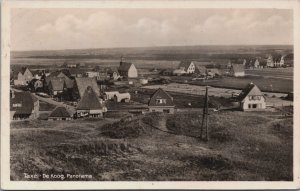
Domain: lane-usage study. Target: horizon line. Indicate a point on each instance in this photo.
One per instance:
(128, 47)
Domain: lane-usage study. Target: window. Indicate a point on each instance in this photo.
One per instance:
(254, 106)
(161, 101)
(166, 110)
(249, 106)
(17, 105)
(254, 97)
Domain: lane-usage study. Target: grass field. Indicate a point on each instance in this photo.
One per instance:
(243, 146)
(265, 84)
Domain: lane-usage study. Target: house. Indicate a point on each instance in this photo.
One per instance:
(256, 63)
(213, 72)
(72, 65)
(57, 86)
(81, 84)
(113, 73)
(59, 113)
(179, 72)
(23, 77)
(92, 74)
(161, 101)
(187, 66)
(270, 62)
(127, 69)
(36, 85)
(237, 70)
(166, 72)
(251, 98)
(201, 70)
(110, 95)
(90, 105)
(23, 105)
(117, 96)
(278, 61)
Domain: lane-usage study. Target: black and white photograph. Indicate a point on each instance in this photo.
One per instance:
(156, 94)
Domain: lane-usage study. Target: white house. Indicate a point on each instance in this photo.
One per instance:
(251, 98)
(127, 69)
(187, 66)
(237, 70)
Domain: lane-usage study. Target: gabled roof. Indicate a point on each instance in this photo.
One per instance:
(200, 69)
(160, 94)
(23, 70)
(89, 100)
(237, 68)
(57, 84)
(60, 112)
(83, 83)
(124, 66)
(250, 90)
(214, 71)
(56, 74)
(185, 65)
(26, 99)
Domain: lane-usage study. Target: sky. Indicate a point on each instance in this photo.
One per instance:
(54, 29)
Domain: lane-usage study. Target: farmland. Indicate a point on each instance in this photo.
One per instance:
(243, 146)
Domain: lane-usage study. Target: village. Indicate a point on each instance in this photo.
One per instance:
(76, 91)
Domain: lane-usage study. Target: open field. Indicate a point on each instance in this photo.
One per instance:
(284, 73)
(265, 84)
(243, 146)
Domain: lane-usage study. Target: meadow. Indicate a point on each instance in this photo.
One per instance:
(243, 146)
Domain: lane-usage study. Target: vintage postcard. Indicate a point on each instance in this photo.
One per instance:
(150, 94)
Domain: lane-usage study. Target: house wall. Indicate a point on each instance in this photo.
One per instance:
(191, 68)
(171, 110)
(239, 74)
(260, 104)
(132, 72)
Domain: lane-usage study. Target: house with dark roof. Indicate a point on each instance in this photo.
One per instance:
(213, 72)
(23, 105)
(161, 101)
(251, 98)
(187, 66)
(113, 73)
(201, 70)
(57, 86)
(81, 84)
(237, 70)
(278, 61)
(90, 105)
(60, 113)
(23, 77)
(127, 70)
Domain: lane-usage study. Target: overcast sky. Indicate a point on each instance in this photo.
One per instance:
(50, 29)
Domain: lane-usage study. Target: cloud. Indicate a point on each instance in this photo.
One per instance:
(110, 28)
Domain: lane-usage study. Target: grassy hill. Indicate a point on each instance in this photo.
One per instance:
(243, 146)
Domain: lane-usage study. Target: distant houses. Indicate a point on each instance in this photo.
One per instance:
(161, 101)
(237, 70)
(60, 113)
(90, 105)
(251, 98)
(23, 105)
(23, 77)
(127, 70)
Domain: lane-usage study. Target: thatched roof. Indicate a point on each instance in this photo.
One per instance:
(160, 94)
(26, 100)
(124, 66)
(89, 100)
(60, 112)
(57, 84)
(83, 83)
